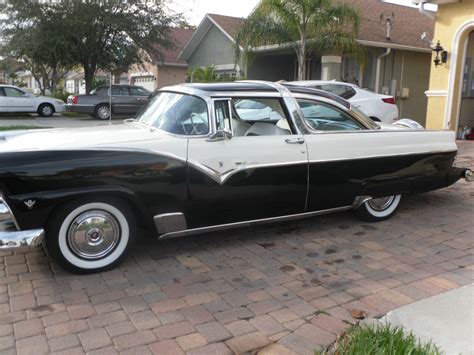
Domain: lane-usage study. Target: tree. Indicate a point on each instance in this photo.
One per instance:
(95, 35)
(308, 26)
(203, 75)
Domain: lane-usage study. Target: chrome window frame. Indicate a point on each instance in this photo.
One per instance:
(337, 106)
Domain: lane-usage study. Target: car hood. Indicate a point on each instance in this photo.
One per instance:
(78, 138)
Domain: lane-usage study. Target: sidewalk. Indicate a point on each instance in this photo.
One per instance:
(446, 319)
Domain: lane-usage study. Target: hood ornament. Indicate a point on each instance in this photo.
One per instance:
(30, 204)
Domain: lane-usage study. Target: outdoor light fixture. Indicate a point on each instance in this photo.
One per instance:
(444, 54)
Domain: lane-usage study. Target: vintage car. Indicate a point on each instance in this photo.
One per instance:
(190, 164)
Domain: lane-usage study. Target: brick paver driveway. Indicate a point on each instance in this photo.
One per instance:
(286, 287)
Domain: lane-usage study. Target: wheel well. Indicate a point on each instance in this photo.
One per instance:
(104, 103)
(46, 103)
(134, 207)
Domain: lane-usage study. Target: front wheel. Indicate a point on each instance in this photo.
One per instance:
(90, 236)
(46, 110)
(102, 112)
(379, 209)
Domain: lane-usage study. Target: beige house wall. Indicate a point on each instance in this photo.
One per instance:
(454, 22)
(171, 75)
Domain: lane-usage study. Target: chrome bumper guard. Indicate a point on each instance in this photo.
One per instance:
(469, 175)
(10, 235)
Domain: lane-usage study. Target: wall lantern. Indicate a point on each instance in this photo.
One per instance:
(444, 55)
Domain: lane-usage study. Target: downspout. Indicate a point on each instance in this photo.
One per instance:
(425, 12)
(377, 72)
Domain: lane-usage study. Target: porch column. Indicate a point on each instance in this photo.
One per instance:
(331, 67)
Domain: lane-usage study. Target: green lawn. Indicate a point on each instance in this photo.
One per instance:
(381, 340)
(19, 127)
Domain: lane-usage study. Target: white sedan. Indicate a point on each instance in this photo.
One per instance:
(13, 99)
(381, 108)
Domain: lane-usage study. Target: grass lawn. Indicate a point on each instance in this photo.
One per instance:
(74, 115)
(14, 116)
(368, 340)
(13, 128)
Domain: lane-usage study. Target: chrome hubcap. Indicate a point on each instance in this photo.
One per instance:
(104, 112)
(47, 111)
(93, 234)
(382, 203)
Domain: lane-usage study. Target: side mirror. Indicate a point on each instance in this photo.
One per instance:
(220, 135)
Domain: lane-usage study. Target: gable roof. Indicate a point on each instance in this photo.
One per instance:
(228, 25)
(170, 56)
(408, 24)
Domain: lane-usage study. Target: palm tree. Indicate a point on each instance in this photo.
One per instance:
(203, 74)
(308, 26)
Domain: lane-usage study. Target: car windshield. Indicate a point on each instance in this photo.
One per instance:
(176, 113)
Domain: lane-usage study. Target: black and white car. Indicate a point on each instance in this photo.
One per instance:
(15, 100)
(380, 108)
(190, 163)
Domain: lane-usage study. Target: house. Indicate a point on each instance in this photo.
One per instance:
(165, 69)
(398, 60)
(74, 82)
(451, 87)
(213, 44)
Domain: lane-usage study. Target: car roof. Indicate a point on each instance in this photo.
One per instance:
(320, 82)
(238, 86)
(316, 92)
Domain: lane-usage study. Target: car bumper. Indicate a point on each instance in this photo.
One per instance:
(10, 235)
(59, 108)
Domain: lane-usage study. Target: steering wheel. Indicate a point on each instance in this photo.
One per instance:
(196, 121)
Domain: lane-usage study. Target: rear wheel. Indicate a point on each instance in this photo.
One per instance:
(102, 112)
(90, 236)
(46, 110)
(379, 209)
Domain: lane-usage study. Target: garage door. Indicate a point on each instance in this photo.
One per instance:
(146, 82)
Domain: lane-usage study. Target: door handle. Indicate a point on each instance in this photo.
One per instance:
(299, 140)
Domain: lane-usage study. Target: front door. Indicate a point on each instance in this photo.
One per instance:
(261, 172)
(17, 101)
(122, 102)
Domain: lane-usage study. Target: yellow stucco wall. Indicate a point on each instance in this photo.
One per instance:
(449, 19)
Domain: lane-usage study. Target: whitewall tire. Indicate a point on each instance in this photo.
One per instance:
(379, 209)
(90, 236)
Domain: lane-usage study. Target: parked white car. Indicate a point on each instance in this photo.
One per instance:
(381, 108)
(13, 99)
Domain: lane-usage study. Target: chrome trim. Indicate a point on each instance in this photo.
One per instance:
(170, 222)
(19, 239)
(469, 175)
(360, 200)
(220, 227)
(221, 178)
(6, 213)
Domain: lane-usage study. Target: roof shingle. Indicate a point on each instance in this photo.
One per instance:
(179, 37)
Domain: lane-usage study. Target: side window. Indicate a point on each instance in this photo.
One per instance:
(12, 92)
(2, 92)
(139, 91)
(324, 117)
(259, 117)
(223, 116)
(120, 91)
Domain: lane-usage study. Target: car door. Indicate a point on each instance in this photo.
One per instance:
(141, 97)
(18, 101)
(122, 102)
(337, 142)
(260, 172)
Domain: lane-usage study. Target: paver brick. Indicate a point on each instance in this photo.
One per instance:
(33, 345)
(191, 341)
(248, 342)
(216, 348)
(174, 330)
(145, 320)
(94, 339)
(71, 327)
(28, 328)
(166, 347)
(214, 332)
(64, 342)
(131, 340)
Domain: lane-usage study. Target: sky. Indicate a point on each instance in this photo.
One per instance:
(195, 10)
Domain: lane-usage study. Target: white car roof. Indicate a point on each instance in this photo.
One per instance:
(320, 82)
